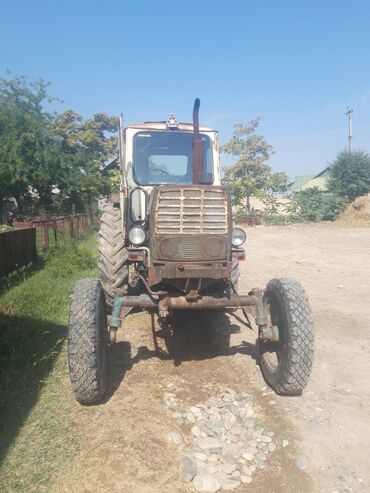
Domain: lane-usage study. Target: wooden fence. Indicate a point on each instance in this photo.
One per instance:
(53, 230)
(17, 249)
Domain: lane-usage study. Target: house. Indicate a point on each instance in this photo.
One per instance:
(319, 181)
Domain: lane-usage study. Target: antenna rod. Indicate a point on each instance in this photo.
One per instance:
(349, 113)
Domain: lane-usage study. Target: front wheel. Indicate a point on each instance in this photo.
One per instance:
(87, 342)
(286, 363)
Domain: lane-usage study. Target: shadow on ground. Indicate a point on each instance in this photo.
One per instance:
(28, 349)
(189, 336)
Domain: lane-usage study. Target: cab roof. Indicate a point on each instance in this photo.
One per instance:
(162, 125)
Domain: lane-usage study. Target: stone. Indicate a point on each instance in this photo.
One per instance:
(285, 443)
(189, 417)
(200, 456)
(266, 438)
(206, 483)
(213, 458)
(195, 410)
(188, 469)
(231, 451)
(174, 437)
(227, 468)
(245, 479)
(236, 430)
(248, 454)
(230, 420)
(209, 469)
(229, 484)
(209, 443)
(195, 431)
(271, 447)
(300, 463)
(235, 474)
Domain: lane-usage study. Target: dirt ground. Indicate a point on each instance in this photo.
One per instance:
(328, 428)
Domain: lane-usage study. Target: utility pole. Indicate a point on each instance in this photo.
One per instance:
(349, 114)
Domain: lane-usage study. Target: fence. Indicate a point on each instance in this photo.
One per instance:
(17, 248)
(52, 230)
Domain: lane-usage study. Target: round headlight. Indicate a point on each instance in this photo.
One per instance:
(238, 237)
(137, 235)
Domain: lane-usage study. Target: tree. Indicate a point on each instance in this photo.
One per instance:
(27, 148)
(350, 174)
(46, 158)
(250, 175)
(87, 145)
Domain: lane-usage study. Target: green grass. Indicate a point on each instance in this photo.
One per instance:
(36, 405)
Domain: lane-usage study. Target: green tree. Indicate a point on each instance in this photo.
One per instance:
(350, 174)
(46, 158)
(312, 205)
(250, 175)
(28, 151)
(87, 145)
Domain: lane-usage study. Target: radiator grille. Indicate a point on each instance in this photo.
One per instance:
(191, 211)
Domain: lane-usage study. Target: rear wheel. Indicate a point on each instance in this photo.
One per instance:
(113, 265)
(286, 363)
(87, 342)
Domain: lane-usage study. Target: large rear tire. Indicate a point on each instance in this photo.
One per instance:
(286, 364)
(113, 264)
(87, 342)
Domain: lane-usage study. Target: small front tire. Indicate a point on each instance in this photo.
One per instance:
(87, 342)
(286, 364)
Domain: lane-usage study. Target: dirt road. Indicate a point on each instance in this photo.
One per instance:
(326, 432)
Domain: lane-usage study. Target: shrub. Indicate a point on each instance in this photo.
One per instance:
(350, 174)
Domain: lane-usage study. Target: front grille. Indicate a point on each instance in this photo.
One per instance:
(191, 211)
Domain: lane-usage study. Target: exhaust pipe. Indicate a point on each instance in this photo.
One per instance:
(198, 159)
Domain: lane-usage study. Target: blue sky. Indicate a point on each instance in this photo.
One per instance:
(296, 64)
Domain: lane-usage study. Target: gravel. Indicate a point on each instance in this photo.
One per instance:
(225, 443)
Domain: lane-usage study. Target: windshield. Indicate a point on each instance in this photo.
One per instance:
(167, 157)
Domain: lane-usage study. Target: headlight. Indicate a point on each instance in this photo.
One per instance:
(137, 235)
(238, 237)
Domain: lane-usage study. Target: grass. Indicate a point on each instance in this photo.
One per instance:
(36, 406)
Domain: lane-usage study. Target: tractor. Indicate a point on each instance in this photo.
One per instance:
(167, 242)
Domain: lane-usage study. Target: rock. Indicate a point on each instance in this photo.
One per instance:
(195, 410)
(229, 484)
(209, 469)
(227, 468)
(209, 443)
(285, 443)
(230, 420)
(236, 430)
(245, 479)
(188, 469)
(248, 454)
(175, 438)
(271, 447)
(206, 483)
(213, 459)
(231, 451)
(235, 474)
(200, 456)
(266, 438)
(300, 463)
(189, 417)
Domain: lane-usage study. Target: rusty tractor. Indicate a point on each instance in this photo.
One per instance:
(167, 242)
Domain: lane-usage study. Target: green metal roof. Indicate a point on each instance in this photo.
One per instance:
(299, 181)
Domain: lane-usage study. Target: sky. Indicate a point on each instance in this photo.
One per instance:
(296, 64)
